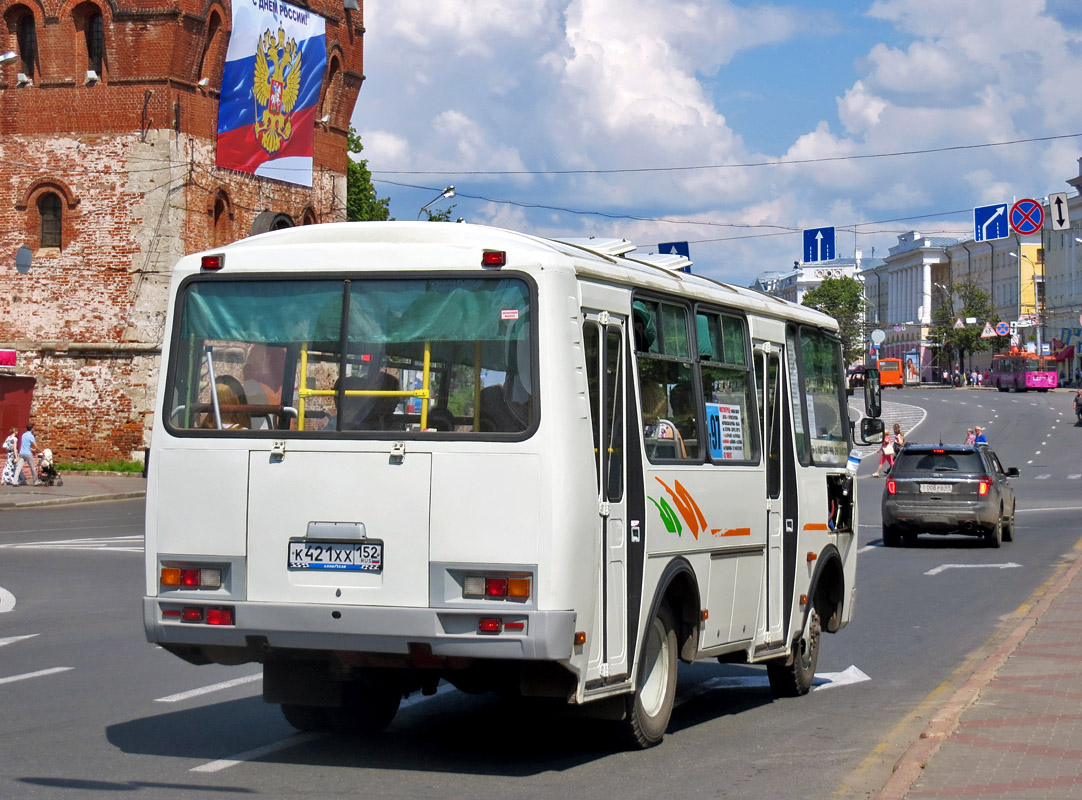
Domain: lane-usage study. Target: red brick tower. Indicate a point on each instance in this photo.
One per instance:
(108, 123)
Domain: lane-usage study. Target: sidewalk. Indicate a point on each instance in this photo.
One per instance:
(1014, 729)
(77, 488)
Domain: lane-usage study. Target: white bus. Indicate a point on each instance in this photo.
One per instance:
(389, 454)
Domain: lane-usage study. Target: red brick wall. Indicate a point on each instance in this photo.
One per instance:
(133, 159)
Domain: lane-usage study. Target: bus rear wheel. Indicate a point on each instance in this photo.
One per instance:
(650, 707)
(795, 679)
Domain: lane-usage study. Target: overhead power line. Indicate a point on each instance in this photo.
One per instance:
(780, 162)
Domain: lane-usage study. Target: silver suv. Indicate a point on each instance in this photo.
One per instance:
(948, 488)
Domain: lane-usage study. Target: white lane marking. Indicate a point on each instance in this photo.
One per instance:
(1041, 477)
(7, 600)
(1036, 452)
(945, 567)
(39, 674)
(217, 687)
(1030, 461)
(300, 738)
(852, 674)
(1074, 476)
(1048, 508)
(254, 753)
(13, 639)
(121, 544)
(114, 527)
(867, 547)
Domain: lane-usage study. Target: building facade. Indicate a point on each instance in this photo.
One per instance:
(108, 125)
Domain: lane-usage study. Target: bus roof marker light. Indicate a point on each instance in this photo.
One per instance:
(212, 263)
(493, 259)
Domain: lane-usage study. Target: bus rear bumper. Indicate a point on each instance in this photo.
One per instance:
(262, 628)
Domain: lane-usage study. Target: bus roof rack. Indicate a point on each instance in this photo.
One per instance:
(603, 247)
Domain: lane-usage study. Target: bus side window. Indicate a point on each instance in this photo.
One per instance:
(666, 383)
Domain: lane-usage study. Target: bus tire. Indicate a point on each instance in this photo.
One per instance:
(649, 708)
(306, 718)
(795, 679)
(368, 707)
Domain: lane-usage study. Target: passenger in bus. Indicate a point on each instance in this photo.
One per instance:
(366, 412)
(230, 396)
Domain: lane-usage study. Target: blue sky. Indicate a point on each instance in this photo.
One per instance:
(458, 93)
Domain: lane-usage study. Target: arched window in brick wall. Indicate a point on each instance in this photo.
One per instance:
(309, 217)
(213, 56)
(50, 209)
(90, 24)
(26, 38)
(332, 88)
(222, 219)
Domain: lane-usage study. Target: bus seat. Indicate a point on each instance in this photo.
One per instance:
(441, 419)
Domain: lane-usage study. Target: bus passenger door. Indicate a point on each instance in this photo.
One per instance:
(603, 336)
(771, 407)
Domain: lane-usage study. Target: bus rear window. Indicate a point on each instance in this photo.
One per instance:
(340, 357)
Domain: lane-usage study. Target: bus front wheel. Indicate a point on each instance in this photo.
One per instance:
(650, 707)
(795, 679)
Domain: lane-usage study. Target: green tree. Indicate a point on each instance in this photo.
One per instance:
(440, 214)
(843, 299)
(960, 301)
(361, 200)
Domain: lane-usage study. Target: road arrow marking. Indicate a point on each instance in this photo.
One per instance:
(852, 674)
(945, 567)
(13, 639)
(7, 600)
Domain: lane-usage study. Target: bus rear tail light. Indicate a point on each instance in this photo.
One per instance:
(892, 486)
(191, 577)
(489, 625)
(985, 486)
(198, 614)
(496, 587)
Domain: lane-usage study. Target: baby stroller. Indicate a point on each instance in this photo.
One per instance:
(47, 473)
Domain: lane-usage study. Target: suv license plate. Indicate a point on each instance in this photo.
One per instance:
(935, 488)
(365, 556)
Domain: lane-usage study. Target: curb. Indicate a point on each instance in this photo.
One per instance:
(909, 767)
(63, 501)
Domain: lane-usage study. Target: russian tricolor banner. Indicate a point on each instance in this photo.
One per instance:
(270, 88)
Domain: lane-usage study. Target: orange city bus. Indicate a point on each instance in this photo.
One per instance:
(890, 372)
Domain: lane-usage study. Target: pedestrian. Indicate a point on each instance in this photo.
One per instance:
(1078, 376)
(973, 378)
(11, 462)
(980, 378)
(886, 453)
(27, 447)
(980, 437)
(946, 377)
(970, 436)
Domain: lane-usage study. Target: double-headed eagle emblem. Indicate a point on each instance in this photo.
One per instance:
(276, 85)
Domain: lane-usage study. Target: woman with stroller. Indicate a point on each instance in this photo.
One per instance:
(11, 447)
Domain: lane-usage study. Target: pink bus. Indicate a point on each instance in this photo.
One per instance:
(1022, 372)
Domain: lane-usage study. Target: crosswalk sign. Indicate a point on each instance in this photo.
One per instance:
(959, 324)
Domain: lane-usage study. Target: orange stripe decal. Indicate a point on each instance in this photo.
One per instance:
(816, 526)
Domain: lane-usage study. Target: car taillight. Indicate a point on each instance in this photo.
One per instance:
(985, 487)
(892, 486)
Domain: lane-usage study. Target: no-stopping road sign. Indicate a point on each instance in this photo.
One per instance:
(1027, 216)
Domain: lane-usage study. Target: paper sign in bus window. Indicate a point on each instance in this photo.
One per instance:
(725, 431)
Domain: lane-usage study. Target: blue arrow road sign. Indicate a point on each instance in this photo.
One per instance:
(818, 245)
(990, 222)
(674, 248)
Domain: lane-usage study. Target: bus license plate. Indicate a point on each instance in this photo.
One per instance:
(366, 556)
(935, 488)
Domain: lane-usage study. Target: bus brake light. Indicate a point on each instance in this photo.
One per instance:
(489, 625)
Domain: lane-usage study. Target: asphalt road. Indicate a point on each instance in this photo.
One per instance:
(91, 709)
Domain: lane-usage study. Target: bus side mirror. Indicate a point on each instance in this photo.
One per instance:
(871, 430)
(872, 393)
